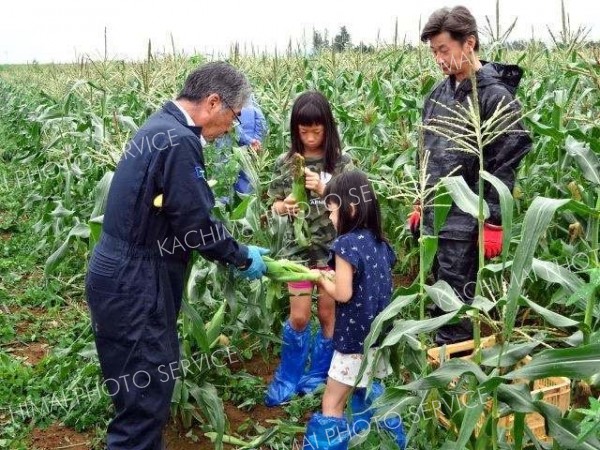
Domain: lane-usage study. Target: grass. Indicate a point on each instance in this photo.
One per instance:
(41, 321)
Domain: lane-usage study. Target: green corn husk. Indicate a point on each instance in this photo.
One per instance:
(301, 230)
(285, 271)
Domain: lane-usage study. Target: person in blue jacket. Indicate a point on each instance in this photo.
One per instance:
(158, 210)
(252, 128)
(251, 131)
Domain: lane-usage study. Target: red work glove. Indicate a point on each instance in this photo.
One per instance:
(414, 219)
(492, 240)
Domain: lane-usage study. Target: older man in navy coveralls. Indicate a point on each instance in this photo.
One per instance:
(158, 211)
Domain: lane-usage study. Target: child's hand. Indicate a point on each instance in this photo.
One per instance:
(328, 274)
(323, 275)
(317, 272)
(313, 182)
(291, 206)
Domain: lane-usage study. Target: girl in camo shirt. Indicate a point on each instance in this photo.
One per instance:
(314, 135)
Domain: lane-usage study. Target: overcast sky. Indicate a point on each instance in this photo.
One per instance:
(58, 30)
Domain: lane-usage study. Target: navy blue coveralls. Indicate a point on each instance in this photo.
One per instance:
(135, 279)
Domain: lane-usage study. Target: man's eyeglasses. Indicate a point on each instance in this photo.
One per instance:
(236, 115)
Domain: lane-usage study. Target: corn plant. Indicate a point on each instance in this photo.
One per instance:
(72, 121)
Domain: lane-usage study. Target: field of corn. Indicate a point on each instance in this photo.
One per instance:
(62, 131)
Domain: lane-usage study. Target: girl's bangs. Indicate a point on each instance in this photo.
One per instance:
(310, 114)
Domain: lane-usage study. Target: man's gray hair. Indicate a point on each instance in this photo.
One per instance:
(220, 78)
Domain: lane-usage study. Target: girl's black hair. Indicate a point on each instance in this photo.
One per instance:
(312, 108)
(352, 191)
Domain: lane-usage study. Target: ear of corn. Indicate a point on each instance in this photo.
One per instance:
(284, 270)
(301, 230)
(298, 185)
